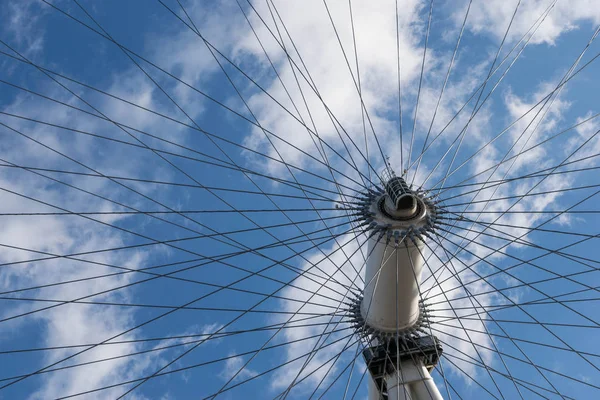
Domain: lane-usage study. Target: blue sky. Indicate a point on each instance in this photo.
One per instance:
(155, 124)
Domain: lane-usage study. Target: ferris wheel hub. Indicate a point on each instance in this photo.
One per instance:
(398, 213)
(399, 219)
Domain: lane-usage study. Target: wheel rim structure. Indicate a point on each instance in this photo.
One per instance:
(311, 200)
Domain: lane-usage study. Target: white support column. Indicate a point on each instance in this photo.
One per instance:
(379, 307)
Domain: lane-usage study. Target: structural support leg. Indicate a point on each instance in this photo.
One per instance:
(413, 383)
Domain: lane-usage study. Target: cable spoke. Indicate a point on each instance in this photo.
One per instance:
(437, 105)
(416, 114)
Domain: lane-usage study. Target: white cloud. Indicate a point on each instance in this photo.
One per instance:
(493, 17)
(233, 367)
(314, 37)
(22, 24)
